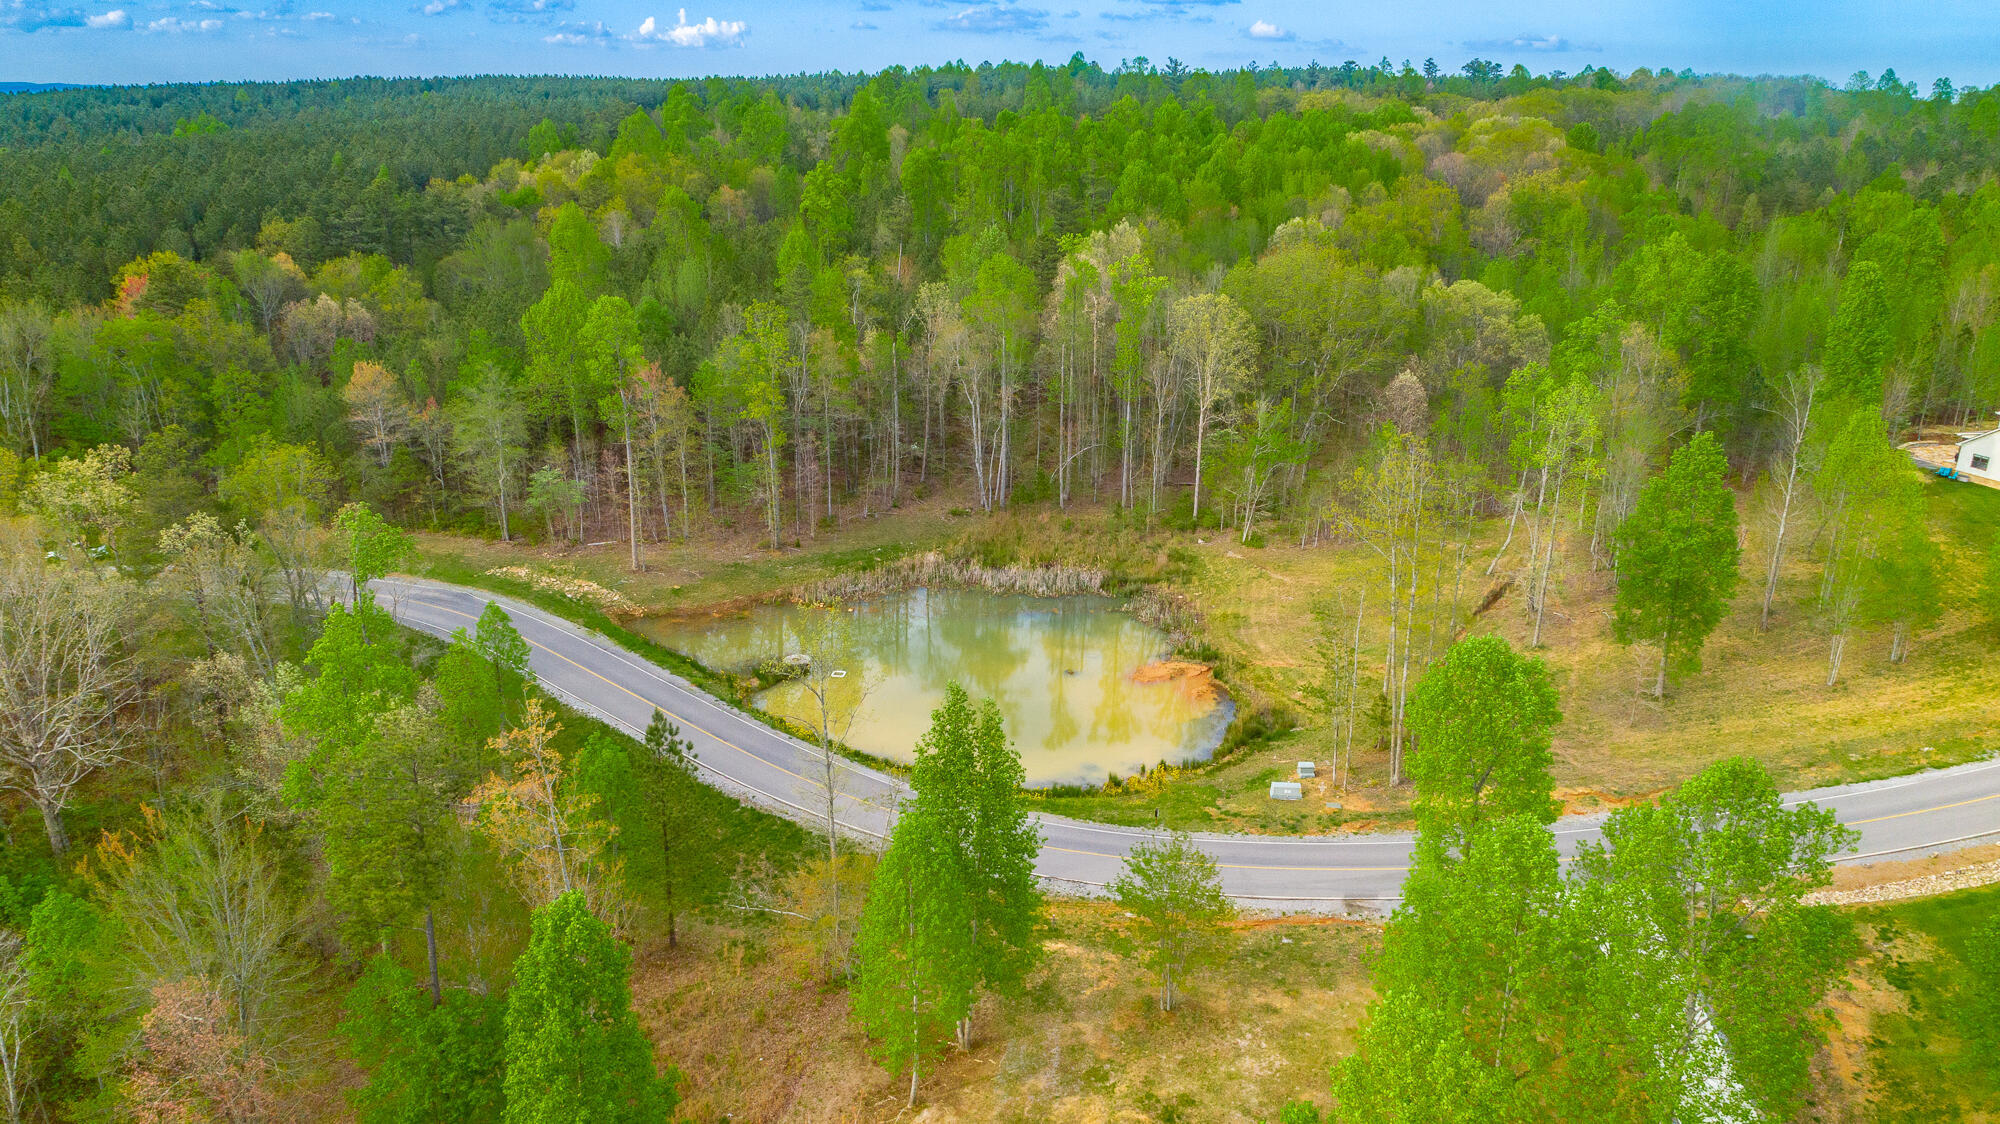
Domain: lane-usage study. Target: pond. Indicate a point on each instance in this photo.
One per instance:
(1082, 686)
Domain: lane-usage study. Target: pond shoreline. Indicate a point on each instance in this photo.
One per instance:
(1091, 689)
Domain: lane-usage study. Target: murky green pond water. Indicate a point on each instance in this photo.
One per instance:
(1061, 669)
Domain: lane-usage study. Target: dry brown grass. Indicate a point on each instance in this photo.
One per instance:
(1086, 1044)
(1761, 693)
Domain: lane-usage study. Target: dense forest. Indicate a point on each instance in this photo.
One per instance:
(249, 333)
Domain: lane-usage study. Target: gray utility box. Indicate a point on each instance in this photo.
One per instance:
(1286, 790)
(1305, 769)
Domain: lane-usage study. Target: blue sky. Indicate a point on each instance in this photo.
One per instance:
(184, 40)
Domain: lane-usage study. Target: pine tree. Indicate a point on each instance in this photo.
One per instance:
(1677, 559)
(575, 1053)
(425, 1061)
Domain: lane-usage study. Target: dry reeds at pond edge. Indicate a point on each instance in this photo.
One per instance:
(934, 569)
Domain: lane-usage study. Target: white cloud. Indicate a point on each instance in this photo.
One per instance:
(176, 26)
(1526, 41)
(1265, 29)
(314, 17)
(998, 17)
(710, 32)
(115, 18)
(440, 7)
(579, 34)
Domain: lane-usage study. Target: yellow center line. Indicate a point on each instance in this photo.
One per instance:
(639, 697)
(1927, 811)
(1241, 866)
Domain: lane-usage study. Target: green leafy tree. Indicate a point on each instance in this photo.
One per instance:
(356, 681)
(470, 704)
(968, 779)
(1715, 965)
(574, 1051)
(1677, 559)
(386, 818)
(1476, 1013)
(73, 980)
(426, 1060)
(370, 547)
(496, 638)
(1860, 340)
(1174, 892)
(491, 438)
(916, 971)
(1482, 718)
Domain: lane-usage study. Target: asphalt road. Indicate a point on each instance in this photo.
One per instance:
(1900, 818)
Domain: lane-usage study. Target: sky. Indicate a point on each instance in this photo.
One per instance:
(125, 41)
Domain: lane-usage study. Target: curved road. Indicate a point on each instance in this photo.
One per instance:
(1903, 817)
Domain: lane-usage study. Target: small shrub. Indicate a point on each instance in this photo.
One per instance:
(1299, 1112)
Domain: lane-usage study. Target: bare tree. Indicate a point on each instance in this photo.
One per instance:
(226, 583)
(1216, 342)
(65, 673)
(831, 674)
(17, 1004)
(199, 895)
(1416, 516)
(1795, 415)
(27, 373)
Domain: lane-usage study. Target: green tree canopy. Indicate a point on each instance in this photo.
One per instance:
(574, 1051)
(1677, 558)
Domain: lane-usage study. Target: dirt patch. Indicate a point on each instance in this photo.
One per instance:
(1195, 680)
(716, 610)
(1583, 801)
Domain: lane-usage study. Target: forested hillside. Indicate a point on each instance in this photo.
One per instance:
(809, 296)
(1642, 346)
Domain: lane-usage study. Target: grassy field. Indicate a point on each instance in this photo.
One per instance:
(760, 1041)
(1087, 1044)
(1900, 1051)
(1759, 692)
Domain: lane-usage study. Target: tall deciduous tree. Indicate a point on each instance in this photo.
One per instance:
(574, 1050)
(1215, 342)
(917, 970)
(548, 825)
(1481, 717)
(1677, 559)
(369, 545)
(65, 673)
(1797, 398)
(1698, 903)
(491, 437)
(1855, 480)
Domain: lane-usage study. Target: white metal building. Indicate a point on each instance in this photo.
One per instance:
(1979, 456)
